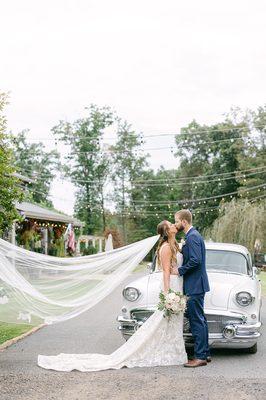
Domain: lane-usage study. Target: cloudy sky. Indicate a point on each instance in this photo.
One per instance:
(159, 64)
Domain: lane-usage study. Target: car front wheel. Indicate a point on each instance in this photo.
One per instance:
(253, 349)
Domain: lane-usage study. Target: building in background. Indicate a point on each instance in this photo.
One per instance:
(42, 229)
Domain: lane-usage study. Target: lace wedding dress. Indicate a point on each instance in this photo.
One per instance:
(158, 342)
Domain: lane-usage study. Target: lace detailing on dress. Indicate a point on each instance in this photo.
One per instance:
(158, 342)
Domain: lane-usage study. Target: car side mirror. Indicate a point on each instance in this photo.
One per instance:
(256, 271)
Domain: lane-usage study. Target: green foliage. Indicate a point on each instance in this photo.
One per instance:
(255, 149)
(128, 166)
(218, 149)
(87, 167)
(33, 161)
(152, 201)
(89, 250)
(263, 282)
(215, 150)
(9, 190)
(241, 222)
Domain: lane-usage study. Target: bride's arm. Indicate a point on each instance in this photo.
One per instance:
(166, 265)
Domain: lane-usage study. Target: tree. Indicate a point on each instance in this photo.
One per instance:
(128, 166)
(87, 164)
(214, 151)
(240, 222)
(34, 162)
(9, 189)
(154, 198)
(255, 151)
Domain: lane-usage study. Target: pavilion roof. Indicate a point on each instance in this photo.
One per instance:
(35, 211)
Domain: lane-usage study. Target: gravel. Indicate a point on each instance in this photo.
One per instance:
(231, 375)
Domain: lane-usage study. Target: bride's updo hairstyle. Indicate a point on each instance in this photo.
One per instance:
(163, 231)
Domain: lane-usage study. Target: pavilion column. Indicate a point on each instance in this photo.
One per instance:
(78, 247)
(13, 233)
(94, 242)
(100, 245)
(45, 237)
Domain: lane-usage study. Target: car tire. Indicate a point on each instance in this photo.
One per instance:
(253, 349)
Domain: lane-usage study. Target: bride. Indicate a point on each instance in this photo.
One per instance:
(157, 342)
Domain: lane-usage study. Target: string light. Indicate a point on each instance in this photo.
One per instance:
(196, 179)
(194, 212)
(141, 136)
(222, 196)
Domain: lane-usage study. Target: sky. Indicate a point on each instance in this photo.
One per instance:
(159, 64)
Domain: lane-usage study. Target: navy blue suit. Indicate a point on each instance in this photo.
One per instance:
(196, 284)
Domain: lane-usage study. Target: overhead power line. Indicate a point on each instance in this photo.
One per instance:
(243, 189)
(169, 202)
(191, 131)
(195, 178)
(193, 210)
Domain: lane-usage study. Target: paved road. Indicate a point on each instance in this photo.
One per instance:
(231, 375)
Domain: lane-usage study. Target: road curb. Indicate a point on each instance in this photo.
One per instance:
(14, 340)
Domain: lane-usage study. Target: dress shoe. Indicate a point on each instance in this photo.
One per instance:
(208, 359)
(195, 363)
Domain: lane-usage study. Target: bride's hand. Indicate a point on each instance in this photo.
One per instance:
(174, 271)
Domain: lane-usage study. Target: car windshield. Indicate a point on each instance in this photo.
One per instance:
(221, 260)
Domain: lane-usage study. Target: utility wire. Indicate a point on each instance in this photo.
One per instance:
(190, 132)
(166, 180)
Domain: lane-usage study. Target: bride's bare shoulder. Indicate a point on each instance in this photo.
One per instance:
(165, 251)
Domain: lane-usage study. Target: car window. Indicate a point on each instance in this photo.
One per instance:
(222, 260)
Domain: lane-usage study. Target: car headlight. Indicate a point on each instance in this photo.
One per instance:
(131, 293)
(244, 298)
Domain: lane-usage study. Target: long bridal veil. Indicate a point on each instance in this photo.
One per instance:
(35, 288)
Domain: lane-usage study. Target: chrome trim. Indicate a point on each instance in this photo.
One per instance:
(229, 328)
(131, 287)
(244, 305)
(244, 332)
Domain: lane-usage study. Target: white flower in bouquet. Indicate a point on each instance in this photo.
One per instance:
(171, 296)
(177, 298)
(172, 303)
(183, 302)
(175, 307)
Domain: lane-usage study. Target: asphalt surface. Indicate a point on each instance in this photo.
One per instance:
(231, 375)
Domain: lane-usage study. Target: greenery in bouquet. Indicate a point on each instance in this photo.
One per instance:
(172, 302)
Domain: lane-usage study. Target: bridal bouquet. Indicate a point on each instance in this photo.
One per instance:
(172, 302)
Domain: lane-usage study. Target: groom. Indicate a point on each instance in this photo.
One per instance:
(196, 285)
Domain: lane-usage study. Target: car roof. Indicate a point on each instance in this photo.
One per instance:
(227, 247)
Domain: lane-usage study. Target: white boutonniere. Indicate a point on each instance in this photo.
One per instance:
(181, 244)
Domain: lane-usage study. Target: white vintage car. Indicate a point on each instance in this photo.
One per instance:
(232, 306)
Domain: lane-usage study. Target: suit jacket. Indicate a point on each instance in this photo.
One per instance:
(193, 269)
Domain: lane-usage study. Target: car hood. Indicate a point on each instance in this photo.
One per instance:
(221, 286)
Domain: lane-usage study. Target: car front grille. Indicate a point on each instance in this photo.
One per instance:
(141, 315)
(216, 323)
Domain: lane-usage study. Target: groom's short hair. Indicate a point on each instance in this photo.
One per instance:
(185, 214)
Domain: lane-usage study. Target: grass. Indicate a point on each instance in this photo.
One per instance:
(9, 331)
(141, 267)
(262, 277)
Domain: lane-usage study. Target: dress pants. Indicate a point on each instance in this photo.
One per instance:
(198, 325)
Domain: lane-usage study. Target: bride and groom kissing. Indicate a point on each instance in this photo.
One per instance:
(159, 341)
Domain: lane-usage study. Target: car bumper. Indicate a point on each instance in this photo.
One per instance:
(241, 335)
